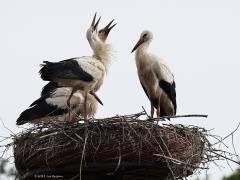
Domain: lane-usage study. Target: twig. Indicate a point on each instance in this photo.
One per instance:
(228, 134)
(178, 116)
(225, 157)
(44, 136)
(119, 162)
(144, 110)
(235, 149)
(83, 151)
(7, 128)
(178, 161)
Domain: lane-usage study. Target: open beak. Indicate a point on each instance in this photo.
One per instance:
(103, 33)
(95, 25)
(140, 41)
(96, 97)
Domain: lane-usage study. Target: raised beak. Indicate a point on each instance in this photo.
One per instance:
(95, 25)
(108, 27)
(105, 31)
(96, 97)
(140, 41)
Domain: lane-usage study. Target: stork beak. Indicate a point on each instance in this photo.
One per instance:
(103, 33)
(140, 41)
(95, 25)
(93, 21)
(96, 97)
(108, 27)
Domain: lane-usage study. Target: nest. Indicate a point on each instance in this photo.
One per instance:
(125, 146)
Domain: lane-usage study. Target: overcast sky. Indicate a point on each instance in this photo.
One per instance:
(199, 39)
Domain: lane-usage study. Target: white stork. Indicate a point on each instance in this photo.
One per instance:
(155, 77)
(82, 73)
(52, 106)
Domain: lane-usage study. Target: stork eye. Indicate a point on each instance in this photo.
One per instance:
(145, 35)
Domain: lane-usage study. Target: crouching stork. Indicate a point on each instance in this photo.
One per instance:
(52, 106)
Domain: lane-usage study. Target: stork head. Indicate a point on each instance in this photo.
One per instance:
(145, 38)
(96, 39)
(103, 33)
(92, 32)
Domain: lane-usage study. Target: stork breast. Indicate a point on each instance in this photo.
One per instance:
(149, 81)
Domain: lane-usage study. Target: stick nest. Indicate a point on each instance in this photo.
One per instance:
(119, 144)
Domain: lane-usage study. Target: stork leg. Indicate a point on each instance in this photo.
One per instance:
(152, 109)
(158, 107)
(85, 106)
(69, 106)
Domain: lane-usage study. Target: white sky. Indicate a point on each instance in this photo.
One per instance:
(199, 39)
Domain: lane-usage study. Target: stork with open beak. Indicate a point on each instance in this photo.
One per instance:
(82, 73)
(103, 33)
(155, 77)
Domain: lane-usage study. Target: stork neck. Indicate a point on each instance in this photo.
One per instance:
(140, 52)
(143, 48)
(102, 53)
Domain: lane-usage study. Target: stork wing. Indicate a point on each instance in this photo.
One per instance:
(169, 89)
(39, 109)
(66, 69)
(144, 90)
(39, 100)
(49, 88)
(154, 101)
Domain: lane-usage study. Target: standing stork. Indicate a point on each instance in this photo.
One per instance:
(84, 73)
(155, 77)
(103, 34)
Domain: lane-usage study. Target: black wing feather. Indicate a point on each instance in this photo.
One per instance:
(169, 89)
(155, 102)
(39, 109)
(49, 88)
(66, 69)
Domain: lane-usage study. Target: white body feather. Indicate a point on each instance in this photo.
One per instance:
(59, 98)
(151, 70)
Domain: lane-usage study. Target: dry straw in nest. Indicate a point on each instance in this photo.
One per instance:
(116, 145)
